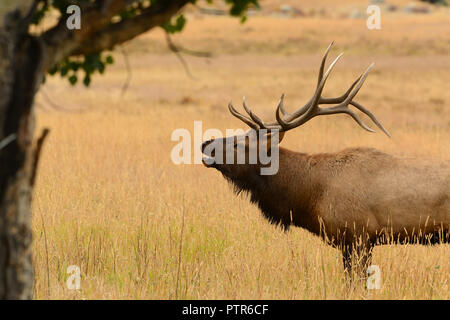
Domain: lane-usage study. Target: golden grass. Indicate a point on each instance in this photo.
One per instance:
(109, 199)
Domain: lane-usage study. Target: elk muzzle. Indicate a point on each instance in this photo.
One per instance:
(208, 160)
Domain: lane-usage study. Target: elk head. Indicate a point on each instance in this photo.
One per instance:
(232, 156)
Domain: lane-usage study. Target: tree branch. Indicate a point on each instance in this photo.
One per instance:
(7, 140)
(97, 33)
(29, 16)
(175, 48)
(129, 74)
(125, 30)
(60, 42)
(37, 154)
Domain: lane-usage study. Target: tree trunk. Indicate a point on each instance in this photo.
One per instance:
(20, 75)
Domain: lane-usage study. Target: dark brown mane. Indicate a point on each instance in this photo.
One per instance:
(268, 193)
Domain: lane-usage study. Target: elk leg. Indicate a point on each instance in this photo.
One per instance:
(364, 259)
(347, 258)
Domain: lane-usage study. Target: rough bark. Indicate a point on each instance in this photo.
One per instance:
(20, 74)
(23, 61)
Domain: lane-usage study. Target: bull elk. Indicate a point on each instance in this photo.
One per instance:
(353, 199)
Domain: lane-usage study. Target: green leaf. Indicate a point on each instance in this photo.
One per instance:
(177, 26)
(238, 7)
(53, 70)
(109, 60)
(101, 67)
(73, 79)
(87, 80)
(64, 71)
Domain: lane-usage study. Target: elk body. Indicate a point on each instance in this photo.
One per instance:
(354, 199)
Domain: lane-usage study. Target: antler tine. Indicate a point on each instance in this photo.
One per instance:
(254, 121)
(281, 106)
(257, 120)
(354, 103)
(317, 94)
(254, 117)
(371, 116)
(244, 104)
(313, 103)
(341, 98)
(348, 100)
(304, 109)
(344, 109)
(280, 120)
(310, 108)
(343, 106)
(241, 117)
(287, 121)
(359, 85)
(324, 59)
(324, 100)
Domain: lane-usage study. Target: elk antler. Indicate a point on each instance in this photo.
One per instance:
(287, 121)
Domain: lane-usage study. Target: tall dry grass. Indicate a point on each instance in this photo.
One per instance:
(110, 200)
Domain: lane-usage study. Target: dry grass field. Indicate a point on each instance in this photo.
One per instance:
(110, 200)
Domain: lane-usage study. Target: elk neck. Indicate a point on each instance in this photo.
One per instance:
(287, 197)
